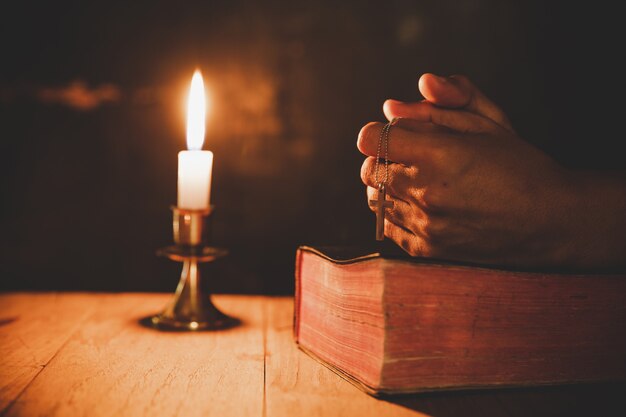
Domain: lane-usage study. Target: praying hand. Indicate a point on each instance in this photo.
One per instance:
(466, 187)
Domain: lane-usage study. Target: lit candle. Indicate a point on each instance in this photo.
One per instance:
(195, 165)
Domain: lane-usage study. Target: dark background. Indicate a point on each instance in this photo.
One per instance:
(92, 117)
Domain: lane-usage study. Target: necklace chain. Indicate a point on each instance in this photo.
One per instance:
(382, 203)
(384, 137)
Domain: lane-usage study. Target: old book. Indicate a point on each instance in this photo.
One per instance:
(403, 325)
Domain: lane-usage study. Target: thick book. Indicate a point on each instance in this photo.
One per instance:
(405, 325)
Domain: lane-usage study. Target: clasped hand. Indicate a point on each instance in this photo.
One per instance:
(466, 187)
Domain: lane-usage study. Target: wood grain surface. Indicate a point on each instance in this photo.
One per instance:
(78, 354)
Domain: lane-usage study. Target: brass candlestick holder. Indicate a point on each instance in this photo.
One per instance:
(191, 308)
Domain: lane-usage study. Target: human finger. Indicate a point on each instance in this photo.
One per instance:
(404, 146)
(405, 214)
(457, 91)
(400, 212)
(417, 125)
(414, 244)
(399, 209)
(397, 180)
(424, 111)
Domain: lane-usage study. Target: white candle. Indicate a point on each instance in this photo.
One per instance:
(195, 165)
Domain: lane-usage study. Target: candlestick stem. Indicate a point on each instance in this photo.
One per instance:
(191, 307)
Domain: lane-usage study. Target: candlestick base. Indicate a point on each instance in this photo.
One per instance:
(191, 308)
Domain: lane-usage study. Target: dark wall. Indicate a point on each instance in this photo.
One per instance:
(92, 117)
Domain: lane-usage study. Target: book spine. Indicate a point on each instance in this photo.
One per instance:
(297, 296)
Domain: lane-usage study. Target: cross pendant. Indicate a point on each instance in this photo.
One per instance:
(381, 204)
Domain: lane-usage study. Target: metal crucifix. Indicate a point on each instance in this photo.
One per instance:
(381, 204)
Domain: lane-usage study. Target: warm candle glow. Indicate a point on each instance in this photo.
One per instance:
(195, 165)
(196, 112)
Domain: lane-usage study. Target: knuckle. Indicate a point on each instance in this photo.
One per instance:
(435, 229)
(407, 245)
(414, 245)
(396, 214)
(419, 247)
(434, 198)
(395, 186)
(413, 173)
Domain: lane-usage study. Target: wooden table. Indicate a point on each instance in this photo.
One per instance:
(77, 354)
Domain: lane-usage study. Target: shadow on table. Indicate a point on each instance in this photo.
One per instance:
(601, 399)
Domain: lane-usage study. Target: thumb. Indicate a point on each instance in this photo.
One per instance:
(456, 92)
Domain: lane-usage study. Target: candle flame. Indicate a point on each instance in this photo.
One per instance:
(196, 112)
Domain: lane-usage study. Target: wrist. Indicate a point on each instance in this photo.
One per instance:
(595, 226)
